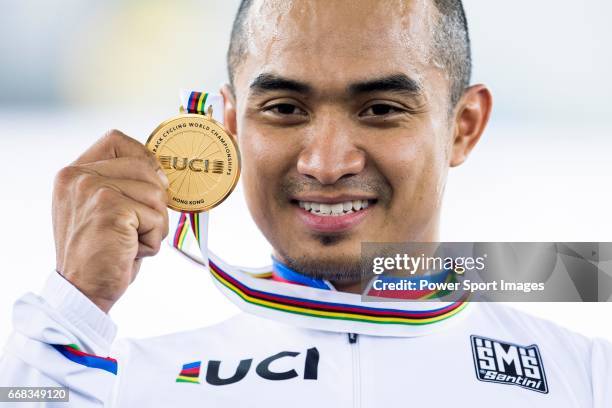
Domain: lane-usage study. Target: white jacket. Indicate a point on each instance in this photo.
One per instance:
(299, 346)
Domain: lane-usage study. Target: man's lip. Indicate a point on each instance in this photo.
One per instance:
(331, 199)
(332, 224)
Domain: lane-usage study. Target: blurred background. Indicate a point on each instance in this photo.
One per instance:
(72, 69)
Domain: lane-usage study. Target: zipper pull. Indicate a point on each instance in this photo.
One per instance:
(352, 338)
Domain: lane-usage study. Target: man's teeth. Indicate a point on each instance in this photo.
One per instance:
(343, 208)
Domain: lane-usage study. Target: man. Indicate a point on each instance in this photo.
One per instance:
(349, 115)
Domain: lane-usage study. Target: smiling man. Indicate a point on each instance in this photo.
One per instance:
(349, 122)
(349, 115)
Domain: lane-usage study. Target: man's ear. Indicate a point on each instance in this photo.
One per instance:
(229, 109)
(472, 114)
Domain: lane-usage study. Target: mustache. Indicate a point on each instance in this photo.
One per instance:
(369, 184)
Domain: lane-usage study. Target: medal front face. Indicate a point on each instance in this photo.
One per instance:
(200, 158)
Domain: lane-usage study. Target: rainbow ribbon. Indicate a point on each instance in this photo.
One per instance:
(196, 102)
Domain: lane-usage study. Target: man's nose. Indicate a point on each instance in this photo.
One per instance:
(330, 154)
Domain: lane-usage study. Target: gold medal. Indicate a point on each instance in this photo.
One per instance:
(200, 158)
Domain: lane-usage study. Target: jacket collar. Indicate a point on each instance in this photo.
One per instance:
(282, 273)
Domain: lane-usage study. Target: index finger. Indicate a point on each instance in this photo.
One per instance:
(116, 144)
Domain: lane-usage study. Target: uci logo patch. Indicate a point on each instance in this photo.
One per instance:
(507, 363)
(190, 373)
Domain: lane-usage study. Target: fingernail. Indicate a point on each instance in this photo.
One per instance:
(163, 177)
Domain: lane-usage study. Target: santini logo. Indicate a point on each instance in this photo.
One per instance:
(507, 363)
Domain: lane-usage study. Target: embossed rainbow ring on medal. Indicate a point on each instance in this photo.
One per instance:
(201, 159)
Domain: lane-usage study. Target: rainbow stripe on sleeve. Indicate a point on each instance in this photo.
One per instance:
(73, 353)
(190, 373)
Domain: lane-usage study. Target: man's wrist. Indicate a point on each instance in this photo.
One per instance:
(81, 311)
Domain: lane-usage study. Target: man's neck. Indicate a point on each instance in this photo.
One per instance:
(356, 286)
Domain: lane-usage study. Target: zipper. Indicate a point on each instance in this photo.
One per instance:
(354, 344)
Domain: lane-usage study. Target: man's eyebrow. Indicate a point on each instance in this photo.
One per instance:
(399, 83)
(272, 82)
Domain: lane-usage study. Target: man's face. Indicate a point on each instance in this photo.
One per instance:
(342, 119)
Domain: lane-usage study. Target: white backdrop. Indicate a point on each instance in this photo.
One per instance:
(541, 172)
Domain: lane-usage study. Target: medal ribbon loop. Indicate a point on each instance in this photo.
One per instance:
(195, 102)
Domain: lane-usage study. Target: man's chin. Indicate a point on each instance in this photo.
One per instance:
(327, 263)
(331, 242)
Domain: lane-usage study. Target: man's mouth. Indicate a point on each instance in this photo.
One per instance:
(332, 215)
(334, 209)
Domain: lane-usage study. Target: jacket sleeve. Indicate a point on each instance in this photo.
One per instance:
(61, 338)
(601, 363)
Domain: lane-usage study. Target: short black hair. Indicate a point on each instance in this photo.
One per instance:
(451, 44)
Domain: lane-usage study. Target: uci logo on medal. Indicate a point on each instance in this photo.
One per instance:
(197, 165)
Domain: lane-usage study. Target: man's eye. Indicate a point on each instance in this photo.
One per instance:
(381, 109)
(285, 109)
